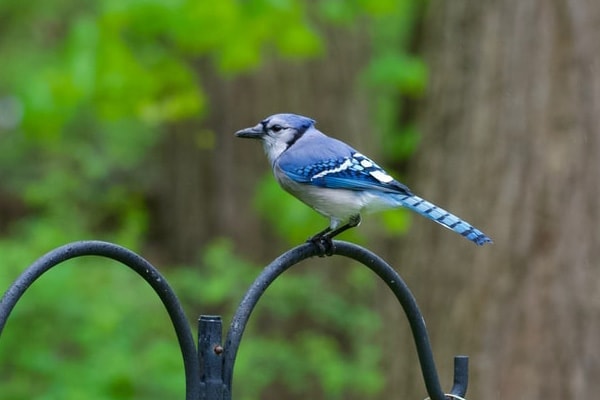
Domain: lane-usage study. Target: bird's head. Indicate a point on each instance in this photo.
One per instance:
(278, 132)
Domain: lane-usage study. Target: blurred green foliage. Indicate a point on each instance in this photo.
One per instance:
(85, 90)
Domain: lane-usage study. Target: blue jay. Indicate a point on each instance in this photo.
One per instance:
(337, 181)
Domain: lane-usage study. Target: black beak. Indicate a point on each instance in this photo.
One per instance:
(255, 132)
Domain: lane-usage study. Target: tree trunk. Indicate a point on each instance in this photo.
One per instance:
(510, 143)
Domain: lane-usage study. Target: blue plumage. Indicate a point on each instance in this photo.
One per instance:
(354, 172)
(444, 218)
(336, 180)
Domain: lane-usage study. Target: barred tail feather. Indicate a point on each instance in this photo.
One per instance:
(444, 218)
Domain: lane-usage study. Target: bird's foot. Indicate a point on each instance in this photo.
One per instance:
(324, 245)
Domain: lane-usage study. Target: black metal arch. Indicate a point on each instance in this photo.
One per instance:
(386, 273)
(209, 370)
(136, 263)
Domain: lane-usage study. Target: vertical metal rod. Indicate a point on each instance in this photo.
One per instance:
(461, 376)
(210, 353)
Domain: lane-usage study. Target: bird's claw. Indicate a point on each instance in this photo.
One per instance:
(324, 245)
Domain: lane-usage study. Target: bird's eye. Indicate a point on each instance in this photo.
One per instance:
(276, 128)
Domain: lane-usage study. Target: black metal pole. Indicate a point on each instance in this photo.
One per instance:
(136, 263)
(210, 352)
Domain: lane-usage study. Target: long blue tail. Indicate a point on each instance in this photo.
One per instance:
(444, 218)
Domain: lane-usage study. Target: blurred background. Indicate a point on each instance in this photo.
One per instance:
(117, 121)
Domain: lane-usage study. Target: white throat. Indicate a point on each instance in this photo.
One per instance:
(274, 146)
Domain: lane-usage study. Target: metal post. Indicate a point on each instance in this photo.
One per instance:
(210, 352)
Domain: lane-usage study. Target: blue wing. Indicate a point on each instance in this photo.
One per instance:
(352, 172)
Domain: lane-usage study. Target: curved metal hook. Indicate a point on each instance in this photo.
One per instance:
(385, 272)
(136, 263)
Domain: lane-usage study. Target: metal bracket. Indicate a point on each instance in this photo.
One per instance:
(209, 369)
